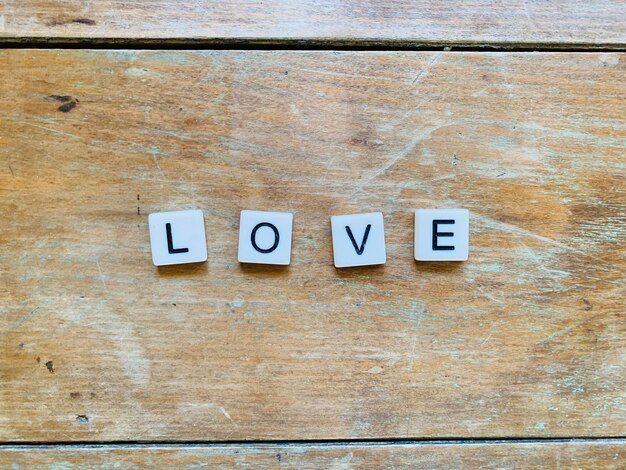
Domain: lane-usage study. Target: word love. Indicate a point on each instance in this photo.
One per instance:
(265, 237)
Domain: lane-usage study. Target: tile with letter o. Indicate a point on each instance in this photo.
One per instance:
(265, 237)
(177, 237)
(441, 234)
(358, 239)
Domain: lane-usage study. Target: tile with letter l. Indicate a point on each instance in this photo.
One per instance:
(177, 237)
(358, 239)
(265, 237)
(441, 234)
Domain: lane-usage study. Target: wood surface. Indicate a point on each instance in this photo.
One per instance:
(572, 455)
(527, 338)
(530, 23)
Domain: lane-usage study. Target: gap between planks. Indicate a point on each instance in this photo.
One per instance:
(620, 440)
(286, 44)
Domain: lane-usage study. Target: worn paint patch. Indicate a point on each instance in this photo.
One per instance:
(502, 142)
(609, 59)
(141, 72)
(166, 57)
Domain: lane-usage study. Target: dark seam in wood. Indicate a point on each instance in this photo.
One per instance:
(321, 442)
(352, 44)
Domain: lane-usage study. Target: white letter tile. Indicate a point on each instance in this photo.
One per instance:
(177, 237)
(441, 234)
(358, 239)
(265, 237)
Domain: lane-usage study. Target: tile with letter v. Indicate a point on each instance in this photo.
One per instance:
(358, 239)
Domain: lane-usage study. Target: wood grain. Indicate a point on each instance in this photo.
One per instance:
(571, 455)
(525, 339)
(558, 23)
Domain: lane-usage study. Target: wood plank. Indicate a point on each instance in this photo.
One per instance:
(574, 455)
(558, 23)
(527, 338)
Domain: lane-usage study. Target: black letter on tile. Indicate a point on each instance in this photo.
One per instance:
(359, 251)
(170, 243)
(437, 234)
(276, 238)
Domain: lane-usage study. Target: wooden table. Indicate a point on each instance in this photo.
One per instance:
(513, 359)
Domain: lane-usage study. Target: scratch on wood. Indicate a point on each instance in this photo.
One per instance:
(341, 74)
(567, 329)
(391, 161)
(521, 231)
(101, 273)
(25, 318)
(424, 72)
(54, 131)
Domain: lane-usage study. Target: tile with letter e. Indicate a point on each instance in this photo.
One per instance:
(441, 234)
(265, 237)
(177, 237)
(358, 239)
